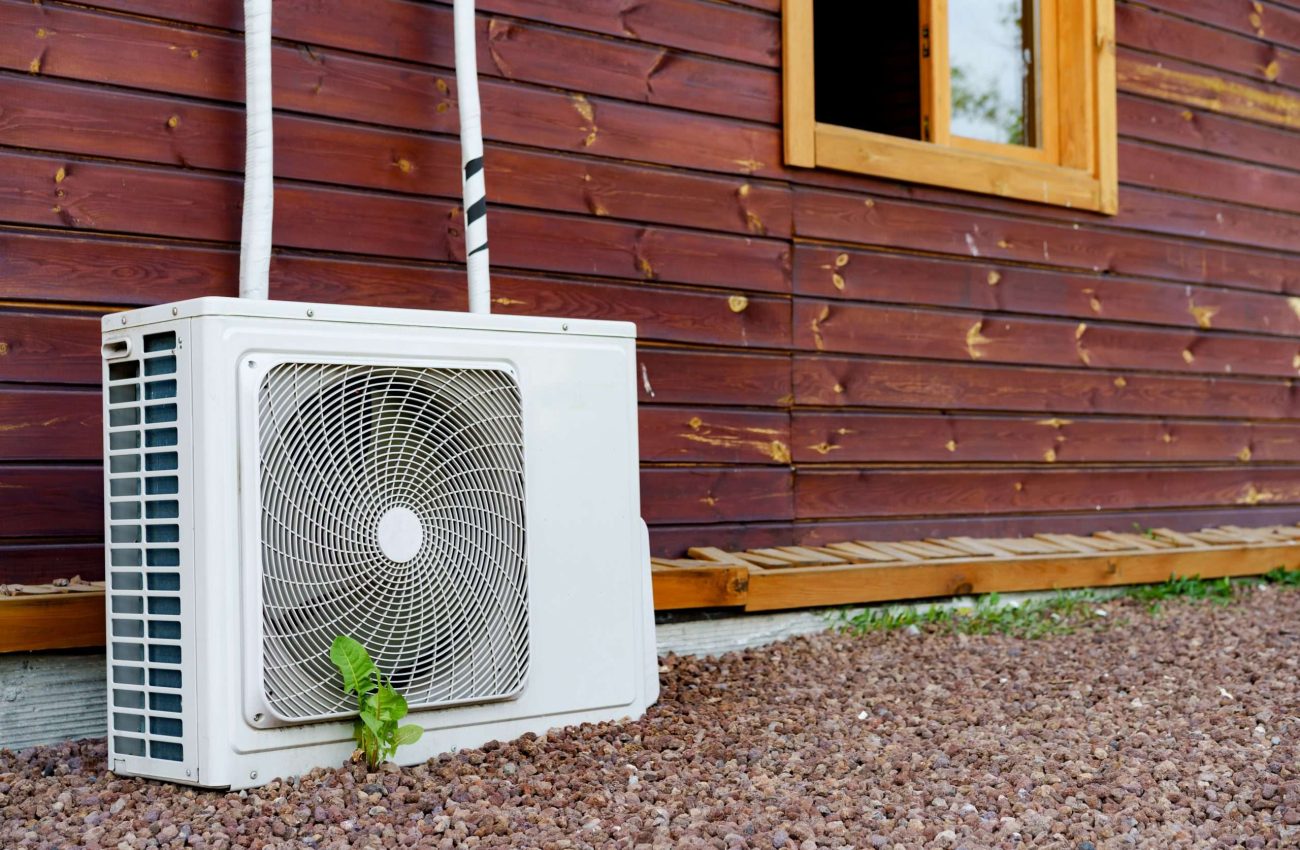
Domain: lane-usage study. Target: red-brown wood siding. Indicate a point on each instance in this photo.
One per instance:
(823, 356)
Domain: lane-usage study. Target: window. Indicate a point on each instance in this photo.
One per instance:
(1005, 97)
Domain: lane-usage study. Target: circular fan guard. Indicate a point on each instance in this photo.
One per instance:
(346, 449)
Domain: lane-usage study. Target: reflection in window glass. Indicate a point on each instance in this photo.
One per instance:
(991, 50)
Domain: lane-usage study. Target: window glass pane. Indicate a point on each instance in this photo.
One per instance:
(992, 45)
(868, 77)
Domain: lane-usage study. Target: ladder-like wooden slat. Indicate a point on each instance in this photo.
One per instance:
(1101, 544)
(1178, 538)
(1287, 531)
(715, 555)
(1258, 535)
(1068, 542)
(1026, 546)
(759, 561)
(679, 563)
(890, 549)
(981, 547)
(790, 558)
(1134, 541)
(816, 558)
(858, 552)
(1219, 538)
(926, 550)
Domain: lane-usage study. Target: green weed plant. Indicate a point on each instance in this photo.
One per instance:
(380, 707)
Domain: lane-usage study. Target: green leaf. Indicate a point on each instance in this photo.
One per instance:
(408, 734)
(389, 704)
(353, 662)
(372, 722)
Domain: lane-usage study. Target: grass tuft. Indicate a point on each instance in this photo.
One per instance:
(1283, 577)
(1192, 588)
(1062, 613)
(1059, 614)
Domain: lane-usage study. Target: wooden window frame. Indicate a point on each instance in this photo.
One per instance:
(1075, 163)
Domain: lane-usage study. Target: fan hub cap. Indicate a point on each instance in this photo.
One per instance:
(400, 534)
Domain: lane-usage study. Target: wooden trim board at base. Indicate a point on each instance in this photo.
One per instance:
(773, 590)
(1045, 562)
(700, 587)
(52, 621)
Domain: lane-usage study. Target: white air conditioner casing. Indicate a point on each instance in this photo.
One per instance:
(459, 491)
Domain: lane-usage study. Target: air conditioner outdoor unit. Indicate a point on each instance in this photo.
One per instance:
(458, 492)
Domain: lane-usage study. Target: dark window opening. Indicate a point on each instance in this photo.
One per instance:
(867, 66)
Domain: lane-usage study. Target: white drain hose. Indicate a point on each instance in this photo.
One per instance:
(259, 163)
(471, 157)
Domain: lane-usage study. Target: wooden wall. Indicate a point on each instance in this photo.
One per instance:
(824, 356)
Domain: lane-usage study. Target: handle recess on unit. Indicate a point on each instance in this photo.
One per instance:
(115, 348)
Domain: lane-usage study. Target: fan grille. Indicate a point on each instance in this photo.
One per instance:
(392, 512)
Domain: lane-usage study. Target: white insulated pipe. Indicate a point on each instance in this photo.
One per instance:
(471, 157)
(259, 187)
(259, 162)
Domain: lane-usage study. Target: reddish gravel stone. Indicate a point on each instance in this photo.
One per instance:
(1175, 731)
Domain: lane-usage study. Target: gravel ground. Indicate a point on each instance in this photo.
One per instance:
(1177, 730)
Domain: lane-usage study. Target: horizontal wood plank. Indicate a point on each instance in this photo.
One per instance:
(698, 377)
(1206, 131)
(1211, 219)
(713, 435)
(1193, 85)
(950, 438)
(49, 348)
(825, 380)
(40, 563)
(828, 493)
(702, 494)
(49, 424)
(41, 501)
(1210, 177)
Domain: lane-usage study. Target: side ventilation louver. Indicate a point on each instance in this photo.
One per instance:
(144, 457)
